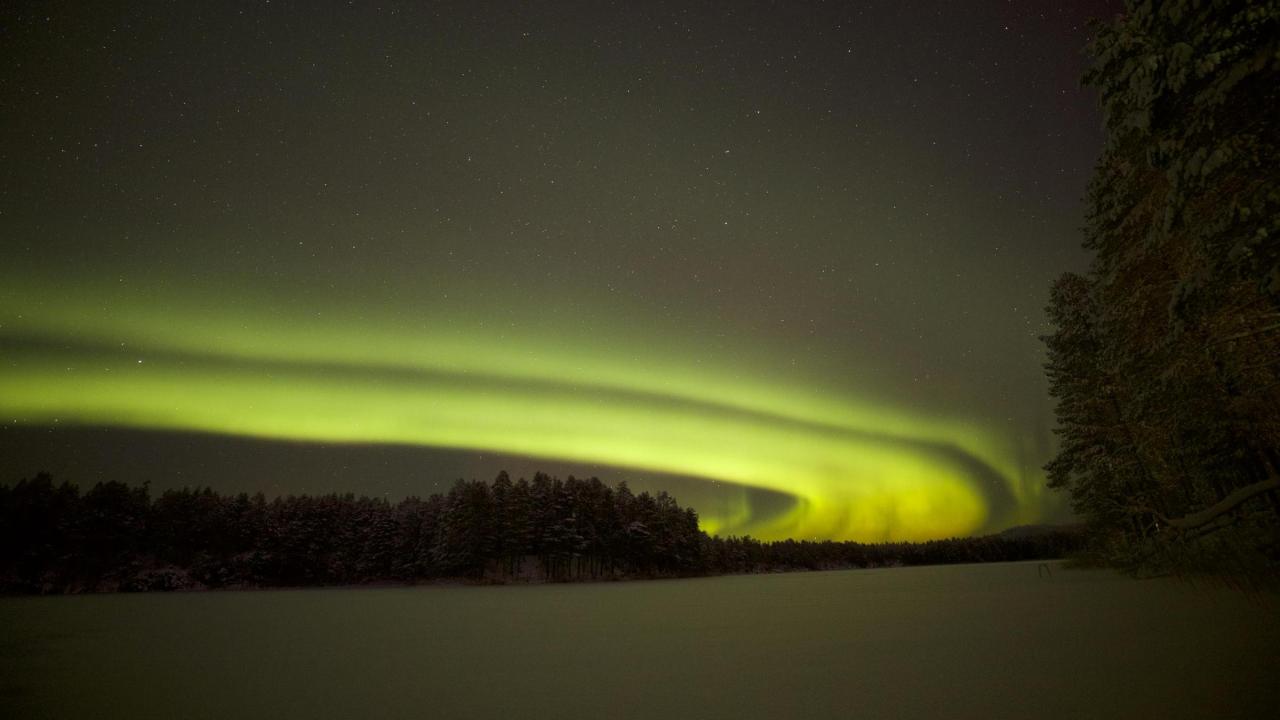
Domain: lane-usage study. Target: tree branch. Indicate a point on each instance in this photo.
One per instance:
(1226, 504)
(1249, 334)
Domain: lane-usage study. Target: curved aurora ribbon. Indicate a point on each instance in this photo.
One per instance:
(155, 359)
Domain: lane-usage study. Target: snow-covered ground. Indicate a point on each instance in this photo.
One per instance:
(973, 641)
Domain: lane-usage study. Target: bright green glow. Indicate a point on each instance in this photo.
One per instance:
(545, 389)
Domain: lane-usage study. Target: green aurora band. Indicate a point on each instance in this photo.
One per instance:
(229, 361)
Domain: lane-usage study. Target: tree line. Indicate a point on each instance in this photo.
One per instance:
(54, 538)
(1165, 355)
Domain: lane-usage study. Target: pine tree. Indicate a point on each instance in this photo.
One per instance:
(1166, 356)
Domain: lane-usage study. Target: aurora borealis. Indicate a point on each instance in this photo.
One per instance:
(799, 249)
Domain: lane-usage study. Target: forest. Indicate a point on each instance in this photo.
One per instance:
(56, 539)
(1165, 354)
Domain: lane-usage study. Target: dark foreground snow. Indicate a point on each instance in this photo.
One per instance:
(971, 641)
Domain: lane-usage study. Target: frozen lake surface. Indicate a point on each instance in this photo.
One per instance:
(971, 641)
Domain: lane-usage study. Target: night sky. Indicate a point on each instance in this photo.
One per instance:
(786, 260)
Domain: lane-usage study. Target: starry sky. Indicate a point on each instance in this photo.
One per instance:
(786, 260)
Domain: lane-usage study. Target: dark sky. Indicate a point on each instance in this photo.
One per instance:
(787, 259)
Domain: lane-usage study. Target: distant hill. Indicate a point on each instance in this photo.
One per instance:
(1022, 531)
